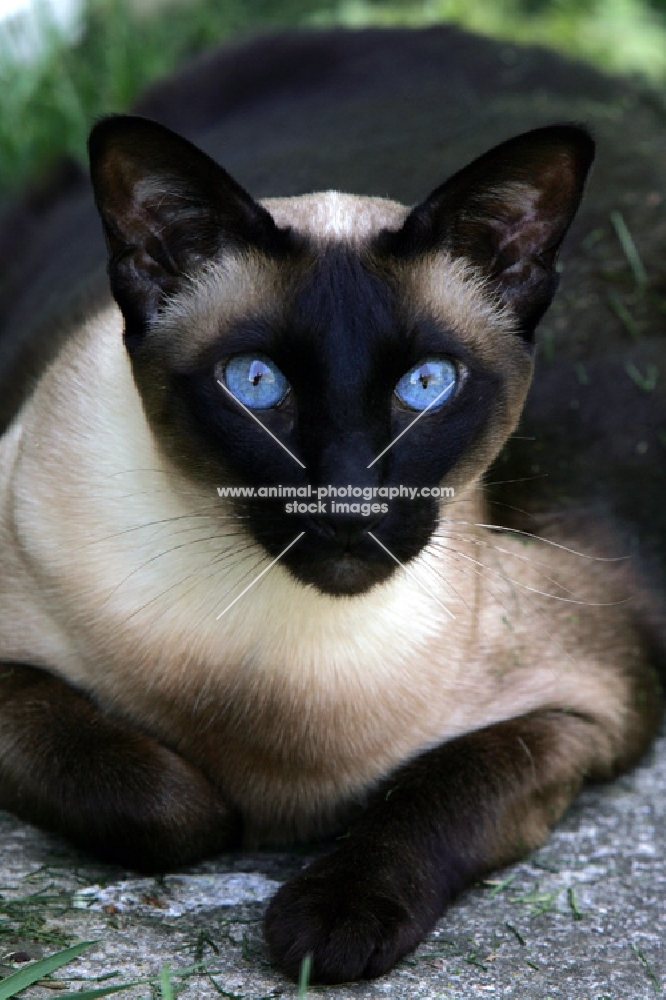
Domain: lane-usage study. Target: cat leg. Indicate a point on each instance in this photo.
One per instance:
(68, 767)
(452, 814)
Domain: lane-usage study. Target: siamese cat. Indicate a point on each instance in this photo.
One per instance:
(190, 669)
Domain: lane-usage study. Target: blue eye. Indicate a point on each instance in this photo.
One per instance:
(255, 381)
(429, 384)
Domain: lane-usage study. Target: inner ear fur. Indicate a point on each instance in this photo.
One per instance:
(166, 207)
(507, 213)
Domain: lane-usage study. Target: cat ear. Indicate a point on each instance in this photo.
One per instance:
(166, 208)
(507, 213)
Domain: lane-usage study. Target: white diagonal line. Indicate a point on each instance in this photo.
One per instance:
(397, 438)
(259, 576)
(409, 573)
(251, 414)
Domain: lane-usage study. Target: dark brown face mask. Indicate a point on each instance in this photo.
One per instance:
(342, 335)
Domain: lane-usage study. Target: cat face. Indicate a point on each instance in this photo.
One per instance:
(330, 340)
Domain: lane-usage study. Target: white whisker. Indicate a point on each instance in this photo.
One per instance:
(539, 538)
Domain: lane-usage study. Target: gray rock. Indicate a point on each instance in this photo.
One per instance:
(582, 919)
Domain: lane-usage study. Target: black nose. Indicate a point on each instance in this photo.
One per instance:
(348, 531)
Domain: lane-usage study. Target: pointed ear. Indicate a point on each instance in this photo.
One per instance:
(507, 213)
(166, 208)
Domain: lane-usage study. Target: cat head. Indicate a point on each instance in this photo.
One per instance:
(333, 340)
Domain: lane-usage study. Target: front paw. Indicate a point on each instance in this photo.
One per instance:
(354, 915)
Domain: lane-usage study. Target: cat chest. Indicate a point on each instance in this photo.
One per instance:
(296, 724)
(292, 741)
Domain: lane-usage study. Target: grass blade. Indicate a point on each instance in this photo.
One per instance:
(304, 977)
(165, 983)
(17, 981)
(646, 965)
(623, 314)
(629, 247)
(101, 991)
(647, 382)
(105, 991)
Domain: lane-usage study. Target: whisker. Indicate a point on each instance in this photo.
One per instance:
(507, 612)
(217, 560)
(508, 482)
(160, 555)
(538, 538)
(443, 579)
(206, 616)
(512, 555)
(478, 567)
(543, 593)
(129, 472)
(159, 522)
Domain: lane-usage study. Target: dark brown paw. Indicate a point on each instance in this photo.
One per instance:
(69, 767)
(355, 921)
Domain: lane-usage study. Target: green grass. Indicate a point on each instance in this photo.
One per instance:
(646, 965)
(304, 977)
(26, 918)
(46, 108)
(39, 972)
(16, 982)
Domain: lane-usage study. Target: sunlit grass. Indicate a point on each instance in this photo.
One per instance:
(619, 35)
(46, 106)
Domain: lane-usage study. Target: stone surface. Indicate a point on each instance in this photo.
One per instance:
(583, 919)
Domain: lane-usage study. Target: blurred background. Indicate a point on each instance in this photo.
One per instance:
(63, 62)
